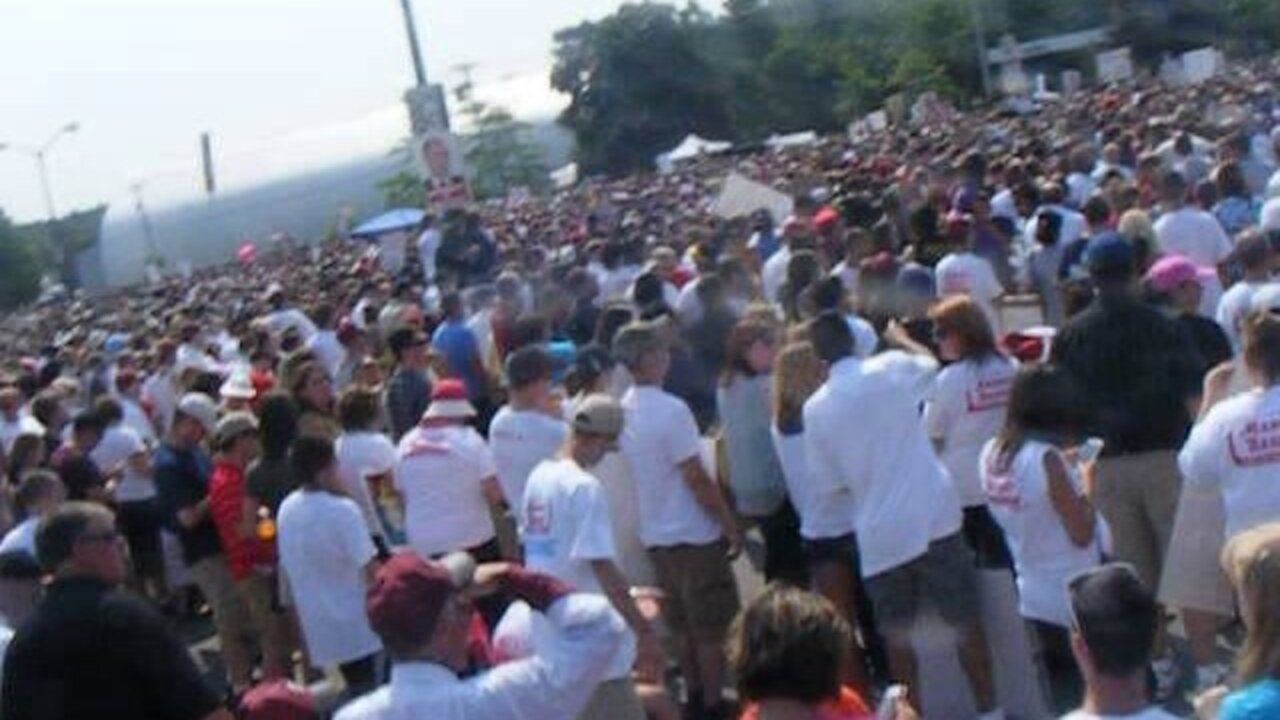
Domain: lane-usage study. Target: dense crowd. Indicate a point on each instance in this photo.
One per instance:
(509, 469)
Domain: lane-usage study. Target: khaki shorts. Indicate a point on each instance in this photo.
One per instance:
(258, 591)
(1193, 577)
(701, 594)
(614, 700)
(1138, 496)
(230, 612)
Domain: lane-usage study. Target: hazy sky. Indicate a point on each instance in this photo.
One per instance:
(280, 83)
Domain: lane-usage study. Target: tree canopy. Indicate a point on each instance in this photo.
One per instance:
(640, 79)
(19, 267)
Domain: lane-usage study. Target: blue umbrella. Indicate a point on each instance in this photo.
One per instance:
(389, 221)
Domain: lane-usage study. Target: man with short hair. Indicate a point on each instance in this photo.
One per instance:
(328, 558)
(529, 428)
(250, 558)
(1184, 229)
(14, 419)
(39, 494)
(1115, 619)
(92, 650)
(409, 388)
(182, 471)
(83, 478)
(685, 523)
(423, 610)
(906, 513)
(564, 522)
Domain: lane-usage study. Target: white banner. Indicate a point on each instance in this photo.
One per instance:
(1114, 65)
(742, 196)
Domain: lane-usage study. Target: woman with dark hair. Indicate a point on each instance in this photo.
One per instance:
(313, 392)
(1036, 490)
(803, 270)
(1236, 210)
(970, 396)
(269, 480)
(366, 459)
(788, 650)
(754, 471)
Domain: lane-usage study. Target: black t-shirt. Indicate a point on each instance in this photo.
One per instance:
(182, 480)
(270, 480)
(1209, 339)
(90, 651)
(1138, 367)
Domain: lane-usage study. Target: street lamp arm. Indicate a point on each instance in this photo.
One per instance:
(64, 130)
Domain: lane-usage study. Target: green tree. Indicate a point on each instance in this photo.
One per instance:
(402, 190)
(637, 84)
(502, 155)
(19, 269)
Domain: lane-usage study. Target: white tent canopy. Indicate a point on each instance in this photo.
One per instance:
(566, 176)
(689, 148)
(778, 142)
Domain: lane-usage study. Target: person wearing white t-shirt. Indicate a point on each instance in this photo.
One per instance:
(1113, 632)
(905, 511)
(39, 494)
(124, 452)
(685, 523)
(966, 409)
(428, 244)
(1036, 494)
(1254, 255)
(14, 420)
(446, 476)
(529, 428)
(366, 458)
(283, 318)
(328, 560)
(566, 532)
(324, 343)
(1193, 233)
(961, 272)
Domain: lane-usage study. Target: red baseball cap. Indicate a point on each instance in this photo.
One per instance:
(409, 593)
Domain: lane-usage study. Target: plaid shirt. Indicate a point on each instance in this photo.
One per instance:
(408, 394)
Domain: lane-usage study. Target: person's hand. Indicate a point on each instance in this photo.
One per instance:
(1208, 703)
(896, 334)
(651, 661)
(734, 535)
(903, 711)
(488, 578)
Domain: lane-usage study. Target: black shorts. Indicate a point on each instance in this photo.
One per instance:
(945, 574)
(823, 551)
(986, 539)
(139, 522)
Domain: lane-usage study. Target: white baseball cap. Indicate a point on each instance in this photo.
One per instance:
(201, 408)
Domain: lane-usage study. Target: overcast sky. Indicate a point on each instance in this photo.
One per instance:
(280, 83)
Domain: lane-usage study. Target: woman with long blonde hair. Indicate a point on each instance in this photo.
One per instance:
(1252, 562)
(826, 517)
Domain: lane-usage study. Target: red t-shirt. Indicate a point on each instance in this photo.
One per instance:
(226, 501)
(850, 706)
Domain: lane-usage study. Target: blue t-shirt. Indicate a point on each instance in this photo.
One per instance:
(1258, 701)
(457, 343)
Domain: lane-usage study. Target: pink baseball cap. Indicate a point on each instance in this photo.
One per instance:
(1171, 271)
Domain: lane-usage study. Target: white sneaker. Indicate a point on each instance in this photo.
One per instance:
(1211, 676)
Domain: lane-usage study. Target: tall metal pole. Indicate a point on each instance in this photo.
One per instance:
(979, 38)
(419, 69)
(44, 185)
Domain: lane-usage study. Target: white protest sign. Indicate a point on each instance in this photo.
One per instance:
(1114, 65)
(1200, 65)
(742, 196)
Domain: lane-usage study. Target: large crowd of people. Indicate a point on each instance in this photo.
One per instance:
(521, 471)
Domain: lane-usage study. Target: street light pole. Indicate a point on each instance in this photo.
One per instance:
(40, 154)
(44, 185)
(419, 69)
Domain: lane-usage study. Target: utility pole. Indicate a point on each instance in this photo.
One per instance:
(419, 69)
(153, 252)
(980, 39)
(62, 249)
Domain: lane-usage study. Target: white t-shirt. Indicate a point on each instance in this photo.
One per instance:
(520, 439)
(1234, 307)
(1236, 449)
(1151, 713)
(280, 321)
(21, 537)
(428, 244)
(660, 434)
(362, 455)
(964, 273)
(439, 473)
(159, 388)
(617, 282)
(328, 351)
(564, 525)
(966, 410)
(688, 305)
(865, 338)
(849, 276)
(1043, 554)
(119, 444)
(863, 432)
(135, 418)
(825, 512)
(24, 424)
(774, 273)
(1199, 237)
(324, 548)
